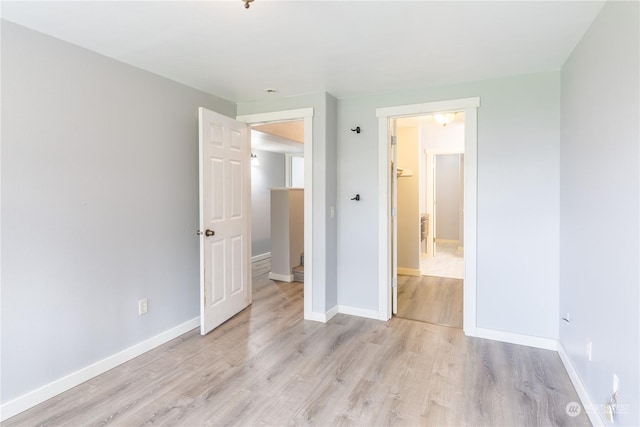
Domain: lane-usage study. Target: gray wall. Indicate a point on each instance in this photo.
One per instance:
(269, 174)
(99, 206)
(448, 196)
(599, 206)
(518, 199)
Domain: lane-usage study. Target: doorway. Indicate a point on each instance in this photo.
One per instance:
(306, 116)
(430, 205)
(277, 190)
(387, 275)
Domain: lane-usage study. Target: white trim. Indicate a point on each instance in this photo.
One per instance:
(307, 115)
(429, 107)
(332, 312)
(316, 316)
(409, 271)
(357, 311)
(47, 391)
(276, 116)
(586, 401)
(469, 106)
(384, 223)
(513, 338)
(261, 257)
(281, 277)
(470, 219)
(322, 317)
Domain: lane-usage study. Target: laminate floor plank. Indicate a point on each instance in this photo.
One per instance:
(267, 366)
(431, 299)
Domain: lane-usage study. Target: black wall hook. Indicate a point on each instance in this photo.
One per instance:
(357, 198)
(356, 130)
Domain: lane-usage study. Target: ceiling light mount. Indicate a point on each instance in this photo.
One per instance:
(445, 118)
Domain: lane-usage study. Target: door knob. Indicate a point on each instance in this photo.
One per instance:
(208, 232)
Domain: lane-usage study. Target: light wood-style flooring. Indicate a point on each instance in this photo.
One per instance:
(267, 366)
(436, 300)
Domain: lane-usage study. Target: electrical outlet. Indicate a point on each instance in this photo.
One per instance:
(589, 349)
(143, 306)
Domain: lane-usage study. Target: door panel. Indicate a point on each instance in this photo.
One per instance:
(216, 194)
(216, 261)
(225, 279)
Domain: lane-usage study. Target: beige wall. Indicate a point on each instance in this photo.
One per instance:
(409, 199)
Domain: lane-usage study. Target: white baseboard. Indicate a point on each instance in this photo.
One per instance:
(316, 316)
(360, 312)
(332, 312)
(586, 401)
(261, 257)
(281, 277)
(47, 391)
(510, 337)
(409, 272)
(342, 309)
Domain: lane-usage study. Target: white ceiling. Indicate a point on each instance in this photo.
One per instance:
(343, 47)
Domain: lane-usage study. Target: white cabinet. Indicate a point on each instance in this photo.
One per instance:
(287, 231)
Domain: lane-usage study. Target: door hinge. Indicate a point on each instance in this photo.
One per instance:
(394, 282)
(394, 212)
(394, 141)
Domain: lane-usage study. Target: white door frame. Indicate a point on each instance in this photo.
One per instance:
(431, 194)
(469, 106)
(305, 114)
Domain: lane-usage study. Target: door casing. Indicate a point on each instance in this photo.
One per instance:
(469, 106)
(305, 114)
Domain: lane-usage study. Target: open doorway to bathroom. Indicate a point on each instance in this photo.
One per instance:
(430, 210)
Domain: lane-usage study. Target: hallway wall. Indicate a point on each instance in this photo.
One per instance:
(269, 174)
(600, 202)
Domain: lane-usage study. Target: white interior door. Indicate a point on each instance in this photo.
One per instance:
(394, 217)
(225, 218)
